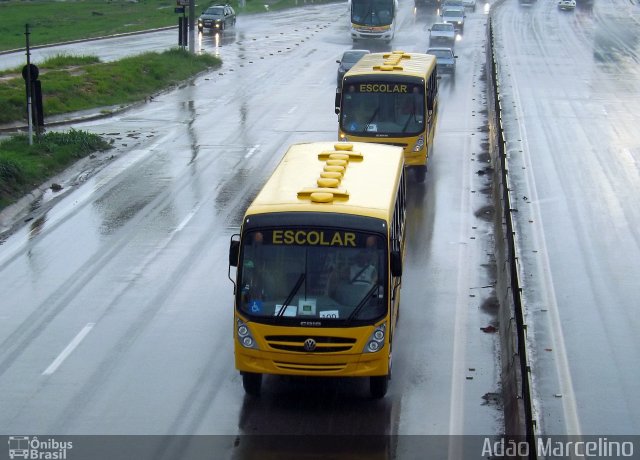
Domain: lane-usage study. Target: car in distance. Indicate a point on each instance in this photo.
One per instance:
(454, 15)
(445, 59)
(442, 33)
(471, 4)
(217, 17)
(453, 3)
(348, 60)
(567, 4)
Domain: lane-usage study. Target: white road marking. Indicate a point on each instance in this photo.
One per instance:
(252, 150)
(68, 350)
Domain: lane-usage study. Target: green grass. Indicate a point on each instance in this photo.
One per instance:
(55, 21)
(74, 83)
(24, 166)
(58, 21)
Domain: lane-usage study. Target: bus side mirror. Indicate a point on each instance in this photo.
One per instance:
(338, 94)
(234, 252)
(396, 264)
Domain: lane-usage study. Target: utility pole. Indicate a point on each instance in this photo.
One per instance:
(29, 107)
(192, 27)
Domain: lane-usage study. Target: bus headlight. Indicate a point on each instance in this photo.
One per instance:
(376, 340)
(419, 144)
(244, 335)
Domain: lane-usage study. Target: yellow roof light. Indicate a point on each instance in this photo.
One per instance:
(345, 156)
(321, 197)
(343, 146)
(333, 168)
(387, 67)
(328, 182)
(334, 192)
(397, 53)
(331, 175)
(343, 163)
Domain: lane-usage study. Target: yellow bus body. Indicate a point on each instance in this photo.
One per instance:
(387, 72)
(371, 189)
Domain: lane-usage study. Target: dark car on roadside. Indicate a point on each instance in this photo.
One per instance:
(348, 60)
(217, 18)
(445, 59)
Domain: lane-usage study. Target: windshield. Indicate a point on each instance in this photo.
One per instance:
(352, 57)
(312, 274)
(440, 53)
(383, 109)
(372, 12)
(442, 28)
(215, 12)
(452, 14)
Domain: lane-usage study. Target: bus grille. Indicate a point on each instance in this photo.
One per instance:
(310, 367)
(397, 144)
(295, 343)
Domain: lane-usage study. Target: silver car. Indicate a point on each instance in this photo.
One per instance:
(471, 4)
(442, 33)
(454, 15)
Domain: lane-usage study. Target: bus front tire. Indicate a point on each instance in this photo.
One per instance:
(420, 173)
(378, 386)
(252, 383)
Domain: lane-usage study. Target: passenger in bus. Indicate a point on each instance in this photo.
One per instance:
(363, 269)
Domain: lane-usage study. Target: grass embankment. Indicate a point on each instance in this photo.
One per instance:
(23, 166)
(72, 83)
(54, 22)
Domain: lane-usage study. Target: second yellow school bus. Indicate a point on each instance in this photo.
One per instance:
(391, 98)
(318, 265)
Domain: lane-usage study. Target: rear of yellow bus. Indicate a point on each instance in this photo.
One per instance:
(312, 298)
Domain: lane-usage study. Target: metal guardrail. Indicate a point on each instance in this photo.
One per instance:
(514, 285)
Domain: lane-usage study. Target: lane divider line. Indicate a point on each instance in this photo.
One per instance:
(68, 349)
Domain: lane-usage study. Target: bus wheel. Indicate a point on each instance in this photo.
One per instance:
(421, 173)
(378, 386)
(251, 383)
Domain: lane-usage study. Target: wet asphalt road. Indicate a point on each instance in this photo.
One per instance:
(570, 82)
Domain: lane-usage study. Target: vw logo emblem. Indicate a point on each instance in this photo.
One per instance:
(309, 345)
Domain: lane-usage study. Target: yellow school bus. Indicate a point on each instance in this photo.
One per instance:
(391, 98)
(318, 265)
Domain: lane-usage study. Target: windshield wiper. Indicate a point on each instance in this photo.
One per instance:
(291, 294)
(373, 117)
(363, 302)
(412, 114)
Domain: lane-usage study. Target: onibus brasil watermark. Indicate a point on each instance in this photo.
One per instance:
(31, 447)
(562, 446)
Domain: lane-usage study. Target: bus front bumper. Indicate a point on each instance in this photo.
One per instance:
(335, 365)
(376, 33)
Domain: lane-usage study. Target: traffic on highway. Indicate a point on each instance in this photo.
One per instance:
(124, 310)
